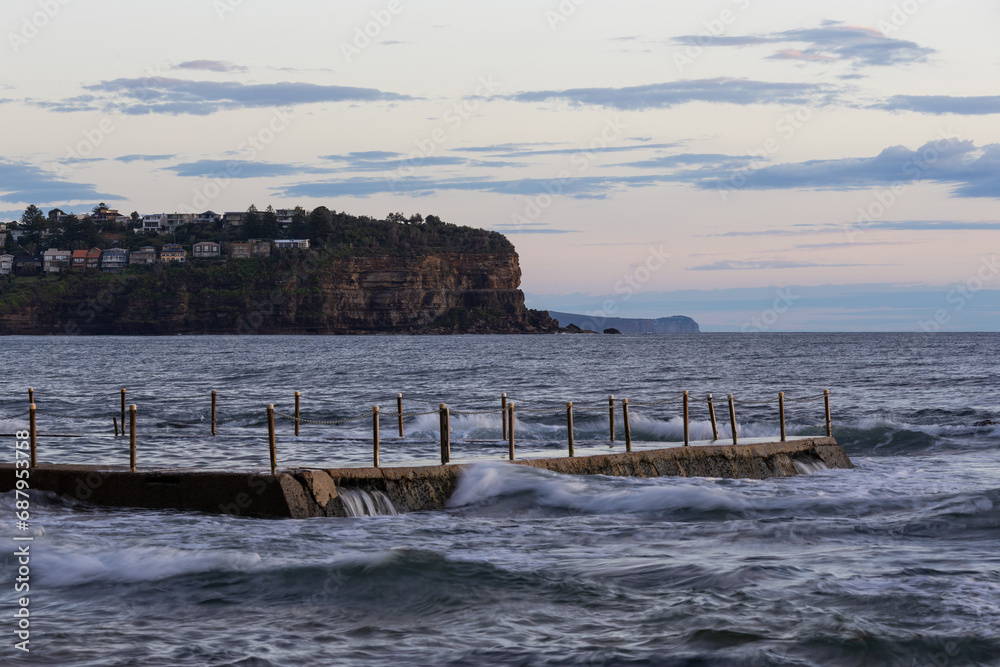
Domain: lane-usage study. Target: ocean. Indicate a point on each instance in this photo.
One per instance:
(896, 562)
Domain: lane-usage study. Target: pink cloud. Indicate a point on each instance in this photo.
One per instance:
(795, 54)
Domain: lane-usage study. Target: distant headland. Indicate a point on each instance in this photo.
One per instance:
(598, 323)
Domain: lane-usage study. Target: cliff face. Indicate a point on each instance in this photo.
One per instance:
(297, 292)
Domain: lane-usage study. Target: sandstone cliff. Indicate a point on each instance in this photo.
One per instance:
(433, 291)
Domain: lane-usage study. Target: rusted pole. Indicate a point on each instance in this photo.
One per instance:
(829, 418)
(399, 413)
(31, 395)
(687, 419)
(628, 428)
(33, 434)
(114, 420)
(272, 445)
(611, 416)
(445, 435)
(503, 413)
(214, 405)
(711, 414)
(375, 412)
(732, 418)
(781, 413)
(131, 437)
(123, 412)
(569, 426)
(298, 396)
(509, 414)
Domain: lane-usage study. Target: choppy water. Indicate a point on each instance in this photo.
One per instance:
(894, 563)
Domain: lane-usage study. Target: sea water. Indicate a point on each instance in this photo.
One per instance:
(893, 563)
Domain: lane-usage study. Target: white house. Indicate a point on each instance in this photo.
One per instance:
(6, 265)
(153, 223)
(301, 244)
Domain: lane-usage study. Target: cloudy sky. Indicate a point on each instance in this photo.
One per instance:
(772, 165)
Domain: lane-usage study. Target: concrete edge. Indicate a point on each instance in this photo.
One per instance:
(310, 492)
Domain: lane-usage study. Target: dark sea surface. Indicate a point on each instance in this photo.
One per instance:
(894, 563)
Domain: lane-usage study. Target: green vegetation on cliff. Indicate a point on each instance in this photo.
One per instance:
(365, 275)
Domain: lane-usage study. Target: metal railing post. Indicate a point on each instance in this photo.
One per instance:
(375, 433)
(611, 416)
(781, 413)
(829, 418)
(628, 427)
(510, 429)
(33, 433)
(131, 436)
(272, 445)
(732, 418)
(687, 419)
(569, 426)
(711, 414)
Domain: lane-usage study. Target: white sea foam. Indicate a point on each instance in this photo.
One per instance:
(64, 567)
(486, 481)
(521, 488)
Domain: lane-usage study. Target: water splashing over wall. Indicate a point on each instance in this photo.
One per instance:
(362, 502)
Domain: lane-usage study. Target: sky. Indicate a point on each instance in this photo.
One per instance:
(759, 165)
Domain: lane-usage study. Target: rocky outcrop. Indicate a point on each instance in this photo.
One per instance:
(675, 324)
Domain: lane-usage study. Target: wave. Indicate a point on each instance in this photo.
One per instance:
(493, 488)
(882, 436)
(525, 487)
(60, 566)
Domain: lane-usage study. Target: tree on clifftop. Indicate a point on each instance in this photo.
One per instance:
(269, 228)
(299, 229)
(34, 224)
(251, 223)
(320, 225)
